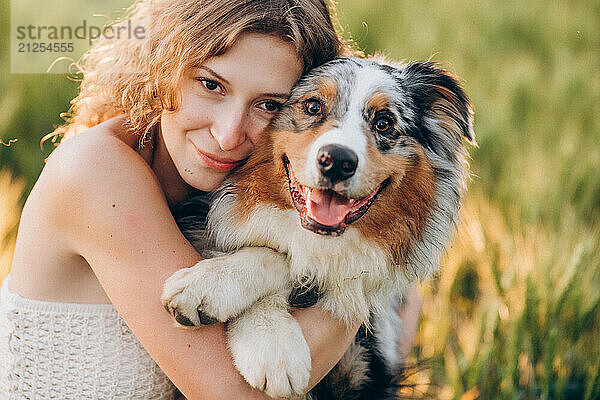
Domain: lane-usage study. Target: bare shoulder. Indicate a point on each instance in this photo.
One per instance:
(70, 205)
(91, 176)
(97, 151)
(108, 190)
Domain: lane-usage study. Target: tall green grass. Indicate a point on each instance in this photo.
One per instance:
(515, 313)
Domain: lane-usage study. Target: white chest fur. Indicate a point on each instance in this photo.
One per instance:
(357, 275)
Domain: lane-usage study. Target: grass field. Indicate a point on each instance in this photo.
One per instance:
(515, 312)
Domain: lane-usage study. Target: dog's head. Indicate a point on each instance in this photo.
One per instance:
(368, 143)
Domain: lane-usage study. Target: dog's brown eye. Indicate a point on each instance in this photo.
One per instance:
(313, 107)
(382, 124)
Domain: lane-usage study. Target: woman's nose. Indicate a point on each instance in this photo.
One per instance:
(228, 129)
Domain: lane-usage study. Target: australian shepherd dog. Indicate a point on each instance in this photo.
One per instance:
(351, 197)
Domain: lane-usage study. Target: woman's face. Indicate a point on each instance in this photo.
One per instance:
(225, 106)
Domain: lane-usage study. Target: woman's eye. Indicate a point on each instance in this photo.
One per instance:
(211, 85)
(271, 106)
(313, 107)
(382, 124)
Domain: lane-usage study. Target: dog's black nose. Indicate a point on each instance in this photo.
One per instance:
(337, 162)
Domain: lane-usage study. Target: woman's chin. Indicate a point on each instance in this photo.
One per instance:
(206, 181)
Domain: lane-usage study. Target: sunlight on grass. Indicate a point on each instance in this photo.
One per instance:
(514, 313)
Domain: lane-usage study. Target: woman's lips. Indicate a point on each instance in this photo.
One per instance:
(220, 164)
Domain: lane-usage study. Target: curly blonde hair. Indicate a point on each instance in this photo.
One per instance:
(139, 77)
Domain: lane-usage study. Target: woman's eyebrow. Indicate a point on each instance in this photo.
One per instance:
(204, 67)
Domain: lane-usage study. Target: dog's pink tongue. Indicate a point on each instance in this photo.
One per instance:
(326, 207)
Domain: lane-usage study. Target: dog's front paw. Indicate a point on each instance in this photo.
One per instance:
(200, 296)
(271, 354)
(182, 298)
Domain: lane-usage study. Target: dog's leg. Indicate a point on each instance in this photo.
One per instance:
(269, 349)
(218, 289)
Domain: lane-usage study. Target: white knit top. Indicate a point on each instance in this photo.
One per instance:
(72, 351)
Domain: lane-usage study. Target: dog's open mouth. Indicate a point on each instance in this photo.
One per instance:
(325, 211)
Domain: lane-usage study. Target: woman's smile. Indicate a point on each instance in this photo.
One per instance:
(214, 162)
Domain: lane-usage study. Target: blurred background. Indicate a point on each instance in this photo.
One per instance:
(515, 311)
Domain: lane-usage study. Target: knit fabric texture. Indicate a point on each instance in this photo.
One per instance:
(72, 351)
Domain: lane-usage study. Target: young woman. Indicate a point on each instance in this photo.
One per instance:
(162, 116)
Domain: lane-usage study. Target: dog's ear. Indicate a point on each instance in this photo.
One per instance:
(439, 96)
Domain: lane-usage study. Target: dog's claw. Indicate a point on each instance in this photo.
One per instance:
(182, 319)
(206, 319)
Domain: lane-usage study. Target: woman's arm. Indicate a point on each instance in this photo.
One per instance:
(114, 214)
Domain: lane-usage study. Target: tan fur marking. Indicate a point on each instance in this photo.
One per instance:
(326, 93)
(328, 89)
(400, 212)
(299, 113)
(296, 145)
(378, 101)
(262, 180)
